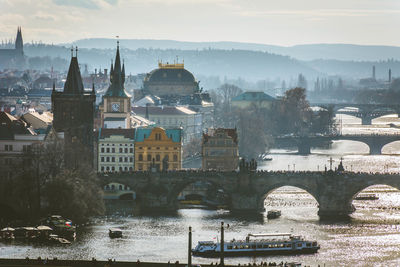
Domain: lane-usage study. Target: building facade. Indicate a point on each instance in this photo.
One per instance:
(16, 140)
(174, 117)
(220, 150)
(248, 99)
(158, 148)
(115, 109)
(116, 150)
(73, 113)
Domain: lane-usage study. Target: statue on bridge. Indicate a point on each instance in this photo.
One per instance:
(247, 165)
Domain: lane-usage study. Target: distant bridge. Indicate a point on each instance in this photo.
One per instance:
(247, 190)
(304, 143)
(366, 112)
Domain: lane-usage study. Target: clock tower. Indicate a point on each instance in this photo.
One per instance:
(116, 108)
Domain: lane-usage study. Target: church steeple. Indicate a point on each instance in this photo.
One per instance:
(117, 78)
(18, 41)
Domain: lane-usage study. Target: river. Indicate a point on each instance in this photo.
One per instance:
(370, 237)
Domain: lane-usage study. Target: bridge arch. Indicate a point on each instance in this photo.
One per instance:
(386, 147)
(271, 188)
(363, 190)
(179, 187)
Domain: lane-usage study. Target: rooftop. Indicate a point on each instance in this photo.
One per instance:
(127, 133)
(253, 96)
(160, 110)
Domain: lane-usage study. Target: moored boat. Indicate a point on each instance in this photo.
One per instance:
(269, 244)
(115, 233)
(7, 233)
(366, 197)
(273, 214)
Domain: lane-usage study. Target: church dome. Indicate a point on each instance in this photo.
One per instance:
(171, 73)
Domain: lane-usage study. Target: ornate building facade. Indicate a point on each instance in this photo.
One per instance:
(73, 113)
(220, 150)
(158, 148)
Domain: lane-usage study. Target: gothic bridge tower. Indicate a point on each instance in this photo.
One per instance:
(73, 111)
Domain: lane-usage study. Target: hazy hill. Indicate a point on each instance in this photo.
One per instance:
(302, 52)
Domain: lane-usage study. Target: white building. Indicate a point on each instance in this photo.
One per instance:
(174, 117)
(115, 150)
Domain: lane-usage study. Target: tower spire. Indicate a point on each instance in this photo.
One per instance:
(19, 44)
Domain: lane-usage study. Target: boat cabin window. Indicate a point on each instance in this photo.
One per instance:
(229, 247)
(235, 247)
(299, 244)
(259, 246)
(253, 246)
(314, 243)
(288, 245)
(308, 244)
(265, 246)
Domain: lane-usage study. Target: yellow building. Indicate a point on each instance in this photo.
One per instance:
(158, 148)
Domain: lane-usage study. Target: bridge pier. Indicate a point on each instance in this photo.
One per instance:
(366, 120)
(244, 204)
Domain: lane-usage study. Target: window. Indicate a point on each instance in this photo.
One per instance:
(130, 159)
(108, 168)
(120, 169)
(102, 150)
(158, 148)
(157, 157)
(112, 187)
(126, 168)
(120, 187)
(175, 157)
(149, 157)
(140, 157)
(8, 147)
(113, 159)
(113, 168)
(26, 148)
(131, 150)
(120, 159)
(121, 150)
(113, 150)
(102, 159)
(126, 150)
(108, 150)
(102, 169)
(126, 159)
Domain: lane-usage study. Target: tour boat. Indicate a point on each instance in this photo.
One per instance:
(262, 244)
(273, 214)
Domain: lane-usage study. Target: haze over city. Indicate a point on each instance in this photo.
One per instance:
(285, 22)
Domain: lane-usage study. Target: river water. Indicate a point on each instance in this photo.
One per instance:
(370, 237)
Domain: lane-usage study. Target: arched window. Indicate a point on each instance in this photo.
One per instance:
(148, 157)
(120, 187)
(112, 187)
(107, 187)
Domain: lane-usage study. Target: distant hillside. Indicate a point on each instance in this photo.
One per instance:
(301, 52)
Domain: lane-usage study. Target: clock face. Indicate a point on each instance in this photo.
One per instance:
(115, 106)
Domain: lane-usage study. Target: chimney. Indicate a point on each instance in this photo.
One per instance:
(390, 75)
(373, 72)
(147, 110)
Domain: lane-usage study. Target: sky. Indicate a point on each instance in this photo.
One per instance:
(278, 22)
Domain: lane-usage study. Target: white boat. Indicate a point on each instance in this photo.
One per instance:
(273, 214)
(257, 244)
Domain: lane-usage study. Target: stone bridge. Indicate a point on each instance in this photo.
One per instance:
(304, 143)
(366, 112)
(247, 190)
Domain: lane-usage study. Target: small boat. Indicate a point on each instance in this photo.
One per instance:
(273, 214)
(44, 231)
(61, 226)
(115, 233)
(366, 197)
(270, 244)
(55, 239)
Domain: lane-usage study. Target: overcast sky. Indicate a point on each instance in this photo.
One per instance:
(281, 22)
